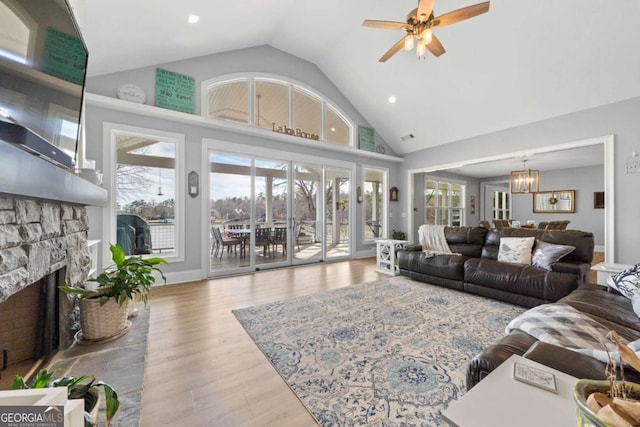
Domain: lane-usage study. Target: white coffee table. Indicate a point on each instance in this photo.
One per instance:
(500, 400)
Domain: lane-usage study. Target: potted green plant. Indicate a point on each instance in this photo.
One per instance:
(103, 310)
(84, 387)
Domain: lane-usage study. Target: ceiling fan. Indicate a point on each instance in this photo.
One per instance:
(420, 22)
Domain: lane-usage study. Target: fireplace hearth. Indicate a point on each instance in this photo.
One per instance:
(30, 328)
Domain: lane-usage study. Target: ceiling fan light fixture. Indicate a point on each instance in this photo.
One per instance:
(408, 42)
(419, 25)
(427, 36)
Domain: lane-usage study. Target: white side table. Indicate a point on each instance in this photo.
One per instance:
(606, 269)
(500, 400)
(386, 250)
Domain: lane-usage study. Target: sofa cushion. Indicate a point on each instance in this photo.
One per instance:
(614, 311)
(548, 286)
(445, 266)
(516, 250)
(545, 254)
(466, 241)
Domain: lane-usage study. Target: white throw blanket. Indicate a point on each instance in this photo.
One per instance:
(433, 241)
(564, 326)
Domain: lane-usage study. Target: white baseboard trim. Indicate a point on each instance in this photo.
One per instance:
(598, 248)
(365, 254)
(181, 277)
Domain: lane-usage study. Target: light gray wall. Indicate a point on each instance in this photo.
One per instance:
(261, 59)
(619, 119)
(584, 181)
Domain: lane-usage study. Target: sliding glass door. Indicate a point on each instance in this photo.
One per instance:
(230, 212)
(307, 213)
(272, 213)
(266, 213)
(337, 213)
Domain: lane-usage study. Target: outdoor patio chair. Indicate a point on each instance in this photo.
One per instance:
(224, 242)
(263, 238)
(279, 238)
(296, 235)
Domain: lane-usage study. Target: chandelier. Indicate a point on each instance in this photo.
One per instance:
(525, 180)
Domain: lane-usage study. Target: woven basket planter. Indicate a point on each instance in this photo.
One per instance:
(102, 322)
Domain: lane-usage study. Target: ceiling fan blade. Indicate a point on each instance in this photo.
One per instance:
(435, 46)
(394, 49)
(460, 15)
(425, 7)
(385, 25)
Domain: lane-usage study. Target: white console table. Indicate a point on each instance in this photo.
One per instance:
(500, 400)
(606, 269)
(386, 255)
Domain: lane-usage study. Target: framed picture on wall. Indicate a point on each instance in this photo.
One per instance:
(554, 201)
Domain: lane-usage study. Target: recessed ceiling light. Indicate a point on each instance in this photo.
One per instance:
(333, 129)
(392, 100)
(193, 19)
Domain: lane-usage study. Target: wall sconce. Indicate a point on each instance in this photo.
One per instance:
(393, 194)
(359, 194)
(193, 185)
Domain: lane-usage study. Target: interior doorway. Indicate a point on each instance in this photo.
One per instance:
(606, 142)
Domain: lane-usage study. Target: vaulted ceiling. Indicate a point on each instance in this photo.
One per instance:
(523, 61)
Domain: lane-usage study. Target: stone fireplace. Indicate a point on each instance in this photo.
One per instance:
(43, 244)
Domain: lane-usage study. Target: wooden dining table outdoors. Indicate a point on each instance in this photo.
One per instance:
(243, 234)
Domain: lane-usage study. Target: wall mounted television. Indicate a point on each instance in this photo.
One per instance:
(43, 65)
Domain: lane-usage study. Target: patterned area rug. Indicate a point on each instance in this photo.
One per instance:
(386, 353)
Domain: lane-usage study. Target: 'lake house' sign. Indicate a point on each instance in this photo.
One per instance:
(295, 132)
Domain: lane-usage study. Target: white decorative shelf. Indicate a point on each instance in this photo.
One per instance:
(386, 254)
(192, 119)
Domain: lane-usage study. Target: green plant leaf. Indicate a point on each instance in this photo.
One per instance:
(111, 400)
(18, 383)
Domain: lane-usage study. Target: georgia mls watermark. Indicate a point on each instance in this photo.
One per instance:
(31, 416)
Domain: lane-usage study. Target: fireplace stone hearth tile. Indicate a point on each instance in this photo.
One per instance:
(119, 362)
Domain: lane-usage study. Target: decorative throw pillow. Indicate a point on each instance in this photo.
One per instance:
(545, 254)
(516, 250)
(626, 282)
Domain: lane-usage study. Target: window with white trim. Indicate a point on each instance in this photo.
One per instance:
(501, 205)
(374, 203)
(444, 203)
(147, 183)
(277, 105)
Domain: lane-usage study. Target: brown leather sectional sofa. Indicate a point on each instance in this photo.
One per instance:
(607, 307)
(478, 271)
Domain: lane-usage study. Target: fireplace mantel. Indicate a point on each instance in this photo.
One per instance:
(24, 174)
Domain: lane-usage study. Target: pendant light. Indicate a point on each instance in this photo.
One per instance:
(525, 180)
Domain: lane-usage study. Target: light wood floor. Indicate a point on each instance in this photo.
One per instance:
(203, 369)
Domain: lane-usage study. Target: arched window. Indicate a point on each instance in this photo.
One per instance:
(278, 105)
